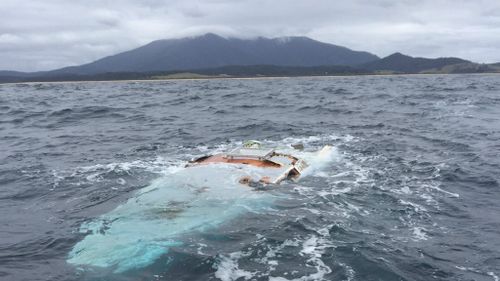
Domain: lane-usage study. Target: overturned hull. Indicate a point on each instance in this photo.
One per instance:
(277, 166)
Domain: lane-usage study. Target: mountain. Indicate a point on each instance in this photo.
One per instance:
(466, 67)
(213, 56)
(398, 62)
(210, 51)
(15, 76)
(8, 73)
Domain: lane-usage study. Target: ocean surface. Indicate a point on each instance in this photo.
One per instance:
(93, 184)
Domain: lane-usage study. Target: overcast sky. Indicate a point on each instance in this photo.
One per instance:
(48, 34)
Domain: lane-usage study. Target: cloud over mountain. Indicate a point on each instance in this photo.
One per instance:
(41, 35)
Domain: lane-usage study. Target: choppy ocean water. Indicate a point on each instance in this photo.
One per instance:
(92, 172)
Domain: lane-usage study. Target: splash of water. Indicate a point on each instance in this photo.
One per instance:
(139, 231)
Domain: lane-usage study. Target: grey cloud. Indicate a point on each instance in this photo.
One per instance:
(46, 34)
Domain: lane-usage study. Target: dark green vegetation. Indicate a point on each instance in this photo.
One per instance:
(212, 56)
(219, 72)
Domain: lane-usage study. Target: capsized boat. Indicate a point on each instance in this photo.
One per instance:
(141, 230)
(278, 166)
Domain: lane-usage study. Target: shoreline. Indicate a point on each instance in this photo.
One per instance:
(244, 78)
